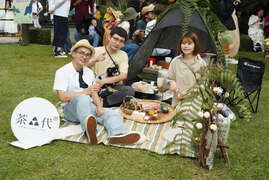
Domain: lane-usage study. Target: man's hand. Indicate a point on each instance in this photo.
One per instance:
(100, 83)
(101, 57)
(91, 89)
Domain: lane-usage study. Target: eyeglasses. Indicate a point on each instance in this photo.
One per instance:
(122, 41)
(82, 53)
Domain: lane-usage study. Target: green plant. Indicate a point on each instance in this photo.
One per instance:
(202, 106)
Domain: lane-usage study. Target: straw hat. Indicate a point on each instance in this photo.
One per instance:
(146, 9)
(111, 14)
(130, 13)
(83, 43)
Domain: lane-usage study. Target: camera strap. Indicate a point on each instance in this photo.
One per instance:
(116, 65)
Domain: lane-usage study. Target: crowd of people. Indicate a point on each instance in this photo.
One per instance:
(137, 20)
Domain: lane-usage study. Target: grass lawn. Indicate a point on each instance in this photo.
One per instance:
(28, 71)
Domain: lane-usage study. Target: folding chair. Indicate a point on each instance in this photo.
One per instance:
(250, 74)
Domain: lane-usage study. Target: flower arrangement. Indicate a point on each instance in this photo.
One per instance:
(204, 107)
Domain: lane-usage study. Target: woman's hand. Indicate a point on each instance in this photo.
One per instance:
(161, 89)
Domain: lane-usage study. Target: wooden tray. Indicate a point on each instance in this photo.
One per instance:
(163, 117)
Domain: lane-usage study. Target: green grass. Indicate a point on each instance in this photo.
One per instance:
(28, 71)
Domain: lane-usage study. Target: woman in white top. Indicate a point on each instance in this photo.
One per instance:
(183, 69)
(255, 30)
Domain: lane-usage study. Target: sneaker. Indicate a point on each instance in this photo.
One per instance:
(127, 139)
(90, 125)
(60, 54)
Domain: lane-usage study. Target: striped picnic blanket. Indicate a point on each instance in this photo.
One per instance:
(156, 141)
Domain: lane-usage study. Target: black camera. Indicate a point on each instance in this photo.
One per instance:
(35, 14)
(113, 71)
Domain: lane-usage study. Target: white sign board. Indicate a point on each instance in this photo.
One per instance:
(35, 122)
(23, 11)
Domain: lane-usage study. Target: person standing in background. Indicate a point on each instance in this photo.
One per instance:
(255, 30)
(81, 19)
(36, 9)
(60, 10)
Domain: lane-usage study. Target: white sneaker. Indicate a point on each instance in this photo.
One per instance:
(132, 137)
(60, 54)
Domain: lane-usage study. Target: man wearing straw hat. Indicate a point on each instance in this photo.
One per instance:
(75, 87)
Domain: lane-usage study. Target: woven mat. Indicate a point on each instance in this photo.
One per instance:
(154, 132)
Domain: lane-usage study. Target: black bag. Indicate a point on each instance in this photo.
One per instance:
(104, 93)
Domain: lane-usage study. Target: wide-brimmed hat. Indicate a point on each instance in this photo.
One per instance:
(83, 43)
(147, 9)
(129, 14)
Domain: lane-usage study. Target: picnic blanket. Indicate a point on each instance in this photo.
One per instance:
(158, 137)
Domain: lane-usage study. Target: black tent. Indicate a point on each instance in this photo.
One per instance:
(166, 34)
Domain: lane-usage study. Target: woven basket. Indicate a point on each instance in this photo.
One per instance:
(134, 102)
(127, 114)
